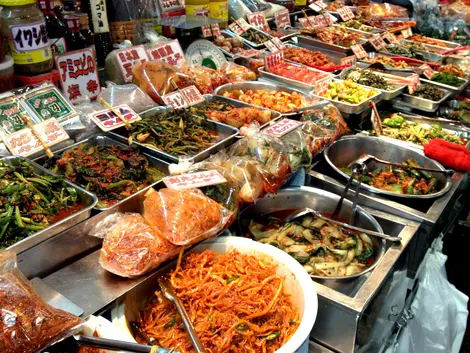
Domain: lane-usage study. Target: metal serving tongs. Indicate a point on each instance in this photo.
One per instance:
(357, 168)
(115, 345)
(170, 294)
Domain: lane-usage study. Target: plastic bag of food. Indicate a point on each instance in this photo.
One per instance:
(28, 324)
(129, 94)
(237, 73)
(298, 151)
(157, 78)
(384, 11)
(205, 78)
(130, 246)
(184, 217)
(247, 176)
(269, 155)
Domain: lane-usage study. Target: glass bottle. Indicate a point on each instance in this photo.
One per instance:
(56, 30)
(85, 30)
(75, 40)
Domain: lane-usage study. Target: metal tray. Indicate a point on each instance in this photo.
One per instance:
(365, 34)
(455, 91)
(102, 139)
(228, 134)
(428, 57)
(85, 197)
(425, 104)
(288, 34)
(334, 59)
(228, 34)
(312, 42)
(289, 82)
(371, 55)
(311, 100)
(251, 44)
(350, 148)
(348, 108)
(448, 45)
(238, 104)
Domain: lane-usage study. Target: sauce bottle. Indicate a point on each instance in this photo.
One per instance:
(75, 40)
(85, 30)
(25, 32)
(56, 30)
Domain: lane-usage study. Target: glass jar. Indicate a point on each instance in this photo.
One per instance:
(24, 30)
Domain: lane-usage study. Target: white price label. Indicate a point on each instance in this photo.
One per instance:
(271, 60)
(407, 33)
(315, 7)
(321, 21)
(427, 70)
(170, 52)
(206, 31)
(413, 83)
(183, 98)
(322, 84)
(249, 53)
(257, 19)
(391, 38)
(215, 29)
(194, 180)
(305, 22)
(349, 60)
(235, 28)
(282, 19)
(128, 57)
(282, 127)
(375, 119)
(278, 43)
(359, 51)
(243, 24)
(346, 13)
(377, 42)
(107, 120)
(330, 19)
(29, 37)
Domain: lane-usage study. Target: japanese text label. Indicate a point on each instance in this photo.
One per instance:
(29, 37)
(257, 19)
(282, 127)
(407, 33)
(427, 71)
(49, 103)
(169, 52)
(359, 51)
(10, 115)
(273, 59)
(282, 19)
(377, 42)
(128, 57)
(322, 84)
(107, 120)
(99, 16)
(349, 60)
(346, 13)
(215, 29)
(183, 98)
(194, 180)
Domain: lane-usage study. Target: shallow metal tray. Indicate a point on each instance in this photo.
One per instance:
(365, 34)
(288, 34)
(348, 108)
(428, 57)
(334, 59)
(425, 104)
(432, 47)
(102, 139)
(292, 83)
(251, 44)
(455, 91)
(85, 197)
(311, 100)
(226, 132)
(371, 55)
(349, 148)
(228, 34)
(312, 42)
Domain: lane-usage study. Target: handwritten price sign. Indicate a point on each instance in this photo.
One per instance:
(128, 57)
(413, 83)
(305, 22)
(322, 85)
(282, 19)
(249, 53)
(282, 127)
(215, 30)
(107, 120)
(346, 13)
(349, 60)
(257, 19)
(183, 98)
(317, 6)
(407, 33)
(377, 42)
(236, 28)
(391, 38)
(359, 51)
(206, 31)
(273, 59)
(427, 71)
(194, 180)
(169, 52)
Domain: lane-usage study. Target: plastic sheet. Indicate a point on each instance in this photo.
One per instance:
(129, 94)
(385, 11)
(184, 217)
(131, 247)
(28, 324)
(298, 151)
(237, 73)
(205, 78)
(247, 176)
(269, 155)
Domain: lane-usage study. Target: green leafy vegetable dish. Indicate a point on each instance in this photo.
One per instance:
(30, 202)
(447, 79)
(429, 92)
(370, 79)
(324, 249)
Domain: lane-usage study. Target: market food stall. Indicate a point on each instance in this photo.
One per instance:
(260, 182)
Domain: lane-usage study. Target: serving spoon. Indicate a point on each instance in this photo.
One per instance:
(116, 345)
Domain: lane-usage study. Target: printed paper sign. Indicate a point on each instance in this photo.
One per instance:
(317, 6)
(79, 74)
(346, 13)
(10, 115)
(243, 24)
(391, 38)
(128, 57)
(330, 19)
(413, 83)
(206, 31)
(215, 30)
(48, 103)
(359, 51)
(282, 19)
(305, 22)
(257, 19)
(282, 127)
(236, 28)
(278, 43)
(377, 42)
(183, 98)
(427, 71)
(194, 180)
(24, 142)
(407, 33)
(271, 46)
(170, 52)
(249, 53)
(321, 21)
(271, 60)
(349, 60)
(29, 37)
(99, 16)
(107, 120)
(322, 84)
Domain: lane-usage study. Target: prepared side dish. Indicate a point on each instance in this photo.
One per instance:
(429, 92)
(254, 36)
(280, 101)
(452, 69)
(355, 24)
(348, 92)
(237, 303)
(407, 51)
(332, 35)
(307, 57)
(369, 78)
(448, 79)
(230, 44)
(178, 133)
(111, 172)
(398, 64)
(30, 202)
(426, 40)
(400, 180)
(297, 73)
(227, 113)
(397, 127)
(323, 248)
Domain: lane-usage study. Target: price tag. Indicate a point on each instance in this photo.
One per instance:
(107, 120)
(359, 51)
(48, 102)
(192, 95)
(413, 83)
(183, 98)
(257, 19)
(243, 24)
(407, 33)
(206, 31)
(282, 127)
(79, 73)
(305, 22)
(315, 7)
(375, 119)
(282, 19)
(25, 143)
(349, 60)
(330, 19)
(10, 115)
(271, 46)
(377, 42)
(322, 85)
(128, 57)
(235, 28)
(170, 52)
(194, 180)
(215, 29)
(277, 42)
(271, 60)
(346, 13)
(391, 38)
(427, 71)
(321, 21)
(249, 53)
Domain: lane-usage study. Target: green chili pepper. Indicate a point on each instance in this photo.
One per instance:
(242, 327)
(273, 336)
(170, 323)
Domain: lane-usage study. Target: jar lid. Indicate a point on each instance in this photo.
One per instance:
(7, 63)
(16, 2)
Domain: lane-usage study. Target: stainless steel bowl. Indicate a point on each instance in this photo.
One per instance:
(348, 149)
(320, 200)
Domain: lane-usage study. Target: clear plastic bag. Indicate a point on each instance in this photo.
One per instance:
(248, 177)
(298, 151)
(184, 217)
(130, 246)
(129, 94)
(269, 155)
(237, 73)
(385, 11)
(28, 324)
(205, 78)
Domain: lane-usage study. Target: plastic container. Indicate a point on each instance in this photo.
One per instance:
(24, 29)
(7, 74)
(219, 10)
(53, 76)
(296, 281)
(197, 7)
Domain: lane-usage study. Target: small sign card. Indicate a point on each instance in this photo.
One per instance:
(427, 71)
(349, 60)
(282, 19)
(407, 33)
(107, 120)
(322, 84)
(194, 180)
(377, 42)
(170, 52)
(346, 13)
(282, 127)
(390, 37)
(183, 98)
(359, 51)
(128, 57)
(271, 60)
(257, 19)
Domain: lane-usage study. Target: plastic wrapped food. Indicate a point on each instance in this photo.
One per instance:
(27, 323)
(384, 11)
(205, 78)
(184, 217)
(270, 157)
(298, 152)
(247, 176)
(157, 78)
(237, 73)
(129, 94)
(131, 247)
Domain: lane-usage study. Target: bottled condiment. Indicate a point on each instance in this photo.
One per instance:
(24, 29)
(7, 75)
(197, 8)
(56, 30)
(219, 10)
(75, 40)
(85, 30)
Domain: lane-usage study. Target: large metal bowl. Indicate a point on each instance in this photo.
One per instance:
(320, 200)
(348, 149)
